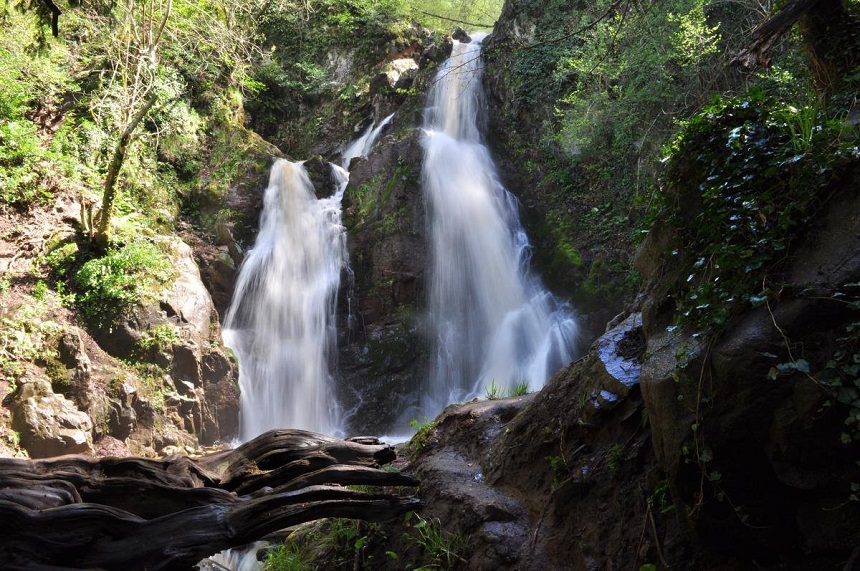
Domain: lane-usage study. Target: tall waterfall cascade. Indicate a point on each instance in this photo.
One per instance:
(493, 323)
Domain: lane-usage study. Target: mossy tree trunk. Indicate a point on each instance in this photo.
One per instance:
(101, 238)
(142, 30)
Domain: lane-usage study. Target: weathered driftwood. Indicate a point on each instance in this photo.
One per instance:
(77, 512)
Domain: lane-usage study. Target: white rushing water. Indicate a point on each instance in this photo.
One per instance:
(361, 147)
(281, 322)
(492, 321)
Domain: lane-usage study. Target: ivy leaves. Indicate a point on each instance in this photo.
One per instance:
(741, 190)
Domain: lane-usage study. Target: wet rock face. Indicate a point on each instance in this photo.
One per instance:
(382, 356)
(48, 423)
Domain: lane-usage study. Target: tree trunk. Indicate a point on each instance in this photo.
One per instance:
(78, 512)
(831, 35)
(102, 234)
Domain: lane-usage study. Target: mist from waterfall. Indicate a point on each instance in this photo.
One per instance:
(491, 320)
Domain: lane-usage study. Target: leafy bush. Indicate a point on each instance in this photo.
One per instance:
(22, 164)
(108, 286)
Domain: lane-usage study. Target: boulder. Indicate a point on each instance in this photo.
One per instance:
(48, 423)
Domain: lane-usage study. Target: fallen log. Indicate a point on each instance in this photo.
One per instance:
(77, 512)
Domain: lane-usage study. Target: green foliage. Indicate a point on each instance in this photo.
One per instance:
(560, 471)
(615, 78)
(421, 439)
(20, 151)
(158, 338)
(660, 498)
(496, 392)
(442, 549)
(334, 543)
(287, 557)
(520, 389)
(124, 276)
(61, 258)
(24, 334)
(39, 290)
(740, 192)
(840, 373)
(615, 455)
(493, 391)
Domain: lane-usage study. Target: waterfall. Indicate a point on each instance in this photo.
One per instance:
(492, 321)
(362, 146)
(281, 322)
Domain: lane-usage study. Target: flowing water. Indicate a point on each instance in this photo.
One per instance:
(281, 322)
(493, 323)
(361, 147)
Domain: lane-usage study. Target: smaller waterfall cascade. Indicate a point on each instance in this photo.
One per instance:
(281, 321)
(492, 320)
(361, 147)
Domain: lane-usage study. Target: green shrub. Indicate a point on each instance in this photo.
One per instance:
(22, 164)
(287, 557)
(123, 277)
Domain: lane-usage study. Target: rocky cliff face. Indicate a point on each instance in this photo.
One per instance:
(382, 347)
(751, 430)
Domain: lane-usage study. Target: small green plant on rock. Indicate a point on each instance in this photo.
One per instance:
(520, 389)
(287, 557)
(616, 455)
(421, 440)
(493, 391)
(158, 338)
(559, 469)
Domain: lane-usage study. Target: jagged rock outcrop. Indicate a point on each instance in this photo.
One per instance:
(178, 330)
(382, 354)
(550, 480)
